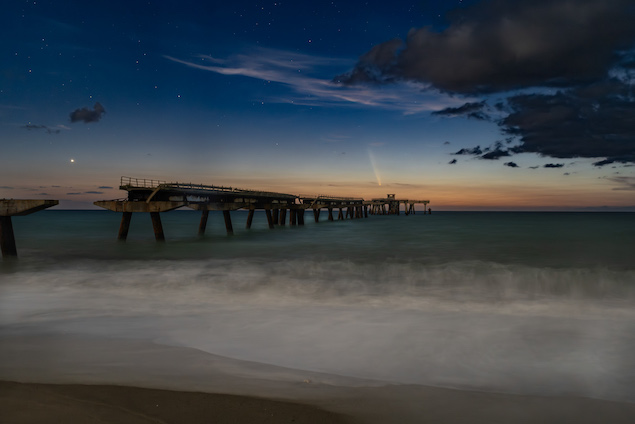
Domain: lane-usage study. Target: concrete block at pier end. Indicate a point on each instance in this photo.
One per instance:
(19, 207)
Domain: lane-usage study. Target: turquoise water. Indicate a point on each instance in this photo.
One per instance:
(514, 302)
(560, 240)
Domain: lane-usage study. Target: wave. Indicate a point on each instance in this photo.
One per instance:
(470, 324)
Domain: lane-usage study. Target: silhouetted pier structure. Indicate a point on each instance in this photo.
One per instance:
(391, 206)
(156, 196)
(17, 207)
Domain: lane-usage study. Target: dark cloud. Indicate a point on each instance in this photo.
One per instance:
(593, 121)
(452, 162)
(553, 165)
(474, 151)
(489, 153)
(511, 164)
(501, 45)
(105, 187)
(471, 110)
(49, 130)
(534, 167)
(88, 115)
(73, 194)
(93, 192)
(495, 154)
(7, 188)
(446, 142)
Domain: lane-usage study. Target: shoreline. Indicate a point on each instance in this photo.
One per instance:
(22, 403)
(70, 378)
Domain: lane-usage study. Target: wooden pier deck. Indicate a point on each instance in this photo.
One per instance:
(156, 196)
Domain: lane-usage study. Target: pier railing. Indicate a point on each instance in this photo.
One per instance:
(139, 182)
(326, 197)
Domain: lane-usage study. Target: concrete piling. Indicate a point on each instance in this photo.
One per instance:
(124, 226)
(157, 226)
(269, 218)
(250, 218)
(16, 207)
(228, 223)
(7, 238)
(203, 224)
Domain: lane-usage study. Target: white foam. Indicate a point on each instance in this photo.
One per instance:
(466, 324)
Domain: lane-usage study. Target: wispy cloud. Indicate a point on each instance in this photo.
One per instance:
(625, 183)
(310, 79)
(50, 130)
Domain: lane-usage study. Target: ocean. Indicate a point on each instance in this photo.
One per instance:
(527, 303)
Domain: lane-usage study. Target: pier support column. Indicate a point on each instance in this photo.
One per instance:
(340, 215)
(292, 216)
(330, 214)
(300, 215)
(124, 226)
(203, 224)
(16, 207)
(365, 211)
(283, 216)
(250, 218)
(316, 215)
(228, 223)
(157, 226)
(276, 214)
(269, 218)
(7, 238)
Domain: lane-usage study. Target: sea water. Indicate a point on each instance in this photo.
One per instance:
(538, 303)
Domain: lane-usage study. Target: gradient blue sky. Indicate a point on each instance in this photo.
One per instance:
(317, 97)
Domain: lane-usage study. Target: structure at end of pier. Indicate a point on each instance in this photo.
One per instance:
(390, 205)
(17, 207)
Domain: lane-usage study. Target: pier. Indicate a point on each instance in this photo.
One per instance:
(17, 207)
(391, 205)
(156, 196)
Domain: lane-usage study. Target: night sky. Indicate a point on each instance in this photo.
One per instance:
(474, 105)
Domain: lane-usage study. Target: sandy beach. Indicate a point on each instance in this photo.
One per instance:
(48, 403)
(22, 403)
(93, 380)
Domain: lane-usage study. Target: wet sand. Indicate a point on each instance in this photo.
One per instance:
(99, 380)
(48, 403)
(22, 403)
